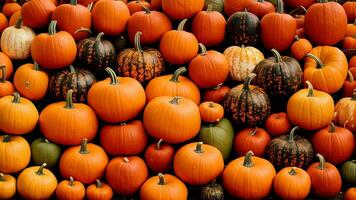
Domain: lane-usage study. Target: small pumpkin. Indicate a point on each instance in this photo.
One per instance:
(159, 157)
(70, 189)
(345, 112)
(300, 47)
(278, 124)
(44, 151)
(7, 88)
(350, 194)
(349, 85)
(181, 9)
(99, 190)
(9, 8)
(349, 43)
(251, 139)
(5, 60)
(350, 8)
(198, 163)
(351, 29)
(211, 112)
(37, 13)
(212, 191)
(348, 172)
(137, 6)
(216, 94)
(260, 7)
(162, 187)
(7, 186)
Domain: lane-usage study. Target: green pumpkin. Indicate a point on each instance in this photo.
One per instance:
(348, 172)
(44, 151)
(218, 5)
(219, 135)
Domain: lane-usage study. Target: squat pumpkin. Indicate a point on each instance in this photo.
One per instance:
(7, 88)
(7, 186)
(159, 157)
(99, 190)
(251, 139)
(345, 112)
(70, 189)
(43, 151)
(211, 112)
(278, 124)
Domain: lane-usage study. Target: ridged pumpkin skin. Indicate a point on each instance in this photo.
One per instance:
(70, 189)
(242, 61)
(298, 3)
(348, 172)
(260, 7)
(247, 105)
(159, 157)
(290, 150)
(243, 28)
(216, 94)
(300, 48)
(345, 112)
(279, 75)
(5, 60)
(251, 139)
(7, 186)
(140, 64)
(7, 88)
(219, 135)
(37, 13)
(249, 177)
(350, 194)
(43, 151)
(79, 80)
(11, 147)
(99, 191)
(350, 9)
(211, 112)
(16, 41)
(181, 9)
(278, 124)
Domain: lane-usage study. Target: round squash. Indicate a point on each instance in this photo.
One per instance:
(70, 189)
(181, 9)
(300, 47)
(251, 139)
(211, 112)
(348, 172)
(44, 151)
(159, 157)
(345, 111)
(260, 7)
(278, 124)
(7, 88)
(99, 190)
(350, 194)
(137, 6)
(43, 10)
(7, 186)
(350, 8)
(216, 94)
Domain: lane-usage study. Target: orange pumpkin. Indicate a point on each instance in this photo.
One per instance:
(181, 9)
(345, 112)
(251, 139)
(211, 112)
(14, 17)
(37, 13)
(159, 157)
(9, 8)
(260, 7)
(352, 62)
(7, 88)
(300, 48)
(232, 6)
(351, 29)
(326, 68)
(7, 186)
(99, 191)
(178, 46)
(70, 190)
(5, 60)
(216, 94)
(156, 4)
(349, 43)
(349, 85)
(350, 9)
(3, 22)
(90, 162)
(278, 124)
(350, 194)
(137, 6)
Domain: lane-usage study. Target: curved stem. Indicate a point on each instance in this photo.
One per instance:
(6, 138)
(248, 159)
(17, 97)
(291, 134)
(175, 100)
(18, 23)
(321, 162)
(158, 145)
(126, 160)
(46, 141)
(40, 170)
(83, 147)
(248, 81)
(71, 181)
(217, 87)
(253, 131)
(90, 6)
(99, 36)
(277, 56)
(112, 75)
(82, 29)
(181, 25)
(353, 98)
(73, 2)
(209, 8)
(310, 89)
(69, 100)
(198, 148)
(351, 76)
(296, 38)
(161, 179)
(3, 73)
(137, 41)
(332, 128)
(2, 177)
(123, 124)
(36, 67)
(176, 74)
(280, 6)
(52, 27)
(319, 64)
(72, 69)
(203, 49)
(146, 9)
(293, 171)
(99, 184)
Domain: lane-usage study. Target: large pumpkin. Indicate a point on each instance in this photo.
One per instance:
(181, 9)
(159, 157)
(247, 105)
(99, 191)
(107, 97)
(67, 123)
(70, 189)
(173, 119)
(140, 64)
(345, 112)
(242, 61)
(43, 151)
(251, 139)
(279, 75)
(7, 186)
(325, 23)
(37, 13)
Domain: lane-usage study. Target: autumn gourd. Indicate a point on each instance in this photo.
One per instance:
(278, 124)
(349, 42)
(232, 6)
(5, 60)
(181, 9)
(350, 8)
(345, 112)
(350, 194)
(70, 189)
(251, 139)
(351, 29)
(7, 88)
(99, 190)
(216, 94)
(300, 47)
(260, 7)
(159, 156)
(212, 191)
(9, 8)
(43, 10)
(197, 163)
(7, 186)
(162, 187)
(91, 161)
(348, 172)
(137, 6)
(211, 112)
(44, 151)
(140, 64)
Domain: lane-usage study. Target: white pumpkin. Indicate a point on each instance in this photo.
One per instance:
(242, 61)
(16, 41)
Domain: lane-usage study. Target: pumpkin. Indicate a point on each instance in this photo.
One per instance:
(350, 9)
(140, 64)
(37, 13)
(247, 105)
(177, 120)
(349, 43)
(232, 6)
(162, 187)
(251, 139)
(91, 161)
(348, 172)
(260, 7)
(298, 3)
(7, 186)
(36, 183)
(173, 85)
(5, 60)
(211, 112)
(3, 22)
(325, 178)
(297, 178)
(137, 6)
(242, 61)
(31, 82)
(124, 139)
(249, 177)
(351, 29)
(331, 29)
(178, 46)
(352, 62)
(44, 151)
(217, 5)
(156, 5)
(349, 85)
(71, 17)
(219, 135)
(278, 124)
(198, 163)
(88, 2)
(212, 20)
(70, 189)
(21, 117)
(290, 150)
(350, 194)
(216, 94)
(99, 191)
(14, 17)
(96, 53)
(278, 29)
(345, 112)
(121, 43)
(181, 9)
(79, 80)
(208, 69)
(118, 91)
(279, 75)
(119, 171)
(307, 103)
(326, 68)
(110, 17)
(9, 8)
(11, 147)
(16, 41)
(56, 45)
(7, 88)
(243, 28)
(152, 24)
(212, 191)
(300, 48)
(159, 157)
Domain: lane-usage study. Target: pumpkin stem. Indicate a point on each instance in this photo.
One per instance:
(99, 184)
(36, 67)
(113, 77)
(122, 123)
(161, 179)
(69, 100)
(280, 6)
(353, 98)
(351, 76)
(82, 29)
(71, 181)
(353, 161)
(217, 87)
(175, 100)
(99, 36)
(295, 11)
(126, 160)
(310, 89)
(44, 140)
(72, 69)
(83, 147)
(6, 138)
(321, 165)
(73, 2)
(17, 97)
(248, 81)
(52, 27)
(40, 170)
(176, 74)
(146, 9)
(209, 8)
(203, 49)
(181, 25)
(90, 6)
(296, 38)
(18, 23)
(3, 73)
(211, 104)
(293, 171)
(198, 148)
(248, 159)
(2, 177)
(319, 64)
(277, 55)
(332, 127)
(158, 145)
(137, 41)
(291, 135)
(253, 131)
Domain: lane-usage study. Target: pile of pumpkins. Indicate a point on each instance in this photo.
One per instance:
(159, 99)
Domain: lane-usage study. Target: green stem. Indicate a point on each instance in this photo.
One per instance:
(293, 171)
(351, 77)
(71, 181)
(18, 23)
(203, 49)
(83, 147)
(146, 9)
(217, 87)
(99, 184)
(248, 159)
(319, 64)
(3, 73)
(69, 100)
(198, 148)
(6, 138)
(161, 179)
(321, 165)
(17, 97)
(137, 41)
(248, 81)
(73, 2)
(158, 145)
(353, 98)
(181, 25)
(52, 27)
(253, 131)
(310, 89)
(72, 69)
(99, 36)
(277, 55)
(175, 100)
(40, 170)
(209, 8)
(280, 6)
(332, 128)
(36, 67)
(291, 134)
(2, 177)
(112, 75)
(176, 74)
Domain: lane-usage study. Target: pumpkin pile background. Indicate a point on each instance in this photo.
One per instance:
(113, 99)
